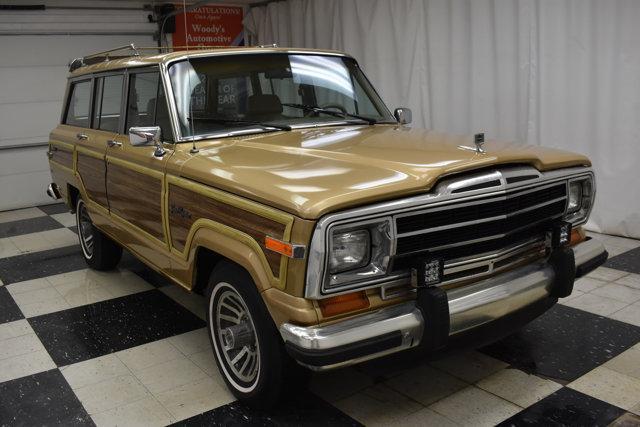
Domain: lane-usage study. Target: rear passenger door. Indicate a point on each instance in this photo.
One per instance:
(90, 150)
(135, 176)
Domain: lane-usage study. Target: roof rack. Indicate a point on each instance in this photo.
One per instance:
(105, 55)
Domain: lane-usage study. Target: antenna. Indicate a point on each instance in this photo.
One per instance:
(194, 149)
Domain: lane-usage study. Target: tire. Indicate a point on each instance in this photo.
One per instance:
(261, 387)
(99, 251)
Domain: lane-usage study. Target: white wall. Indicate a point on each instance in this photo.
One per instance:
(562, 73)
(35, 48)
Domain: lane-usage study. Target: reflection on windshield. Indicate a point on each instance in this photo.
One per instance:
(239, 94)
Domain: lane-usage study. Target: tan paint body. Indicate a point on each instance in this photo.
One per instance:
(290, 178)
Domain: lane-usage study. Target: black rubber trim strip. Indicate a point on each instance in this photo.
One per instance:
(592, 264)
(345, 352)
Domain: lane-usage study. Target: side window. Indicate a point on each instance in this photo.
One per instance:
(147, 105)
(109, 100)
(143, 93)
(78, 107)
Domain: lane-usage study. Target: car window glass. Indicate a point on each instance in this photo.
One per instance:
(110, 103)
(78, 110)
(143, 92)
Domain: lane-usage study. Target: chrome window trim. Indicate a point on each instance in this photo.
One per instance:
(441, 195)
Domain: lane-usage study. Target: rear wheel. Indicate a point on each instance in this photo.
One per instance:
(246, 343)
(99, 251)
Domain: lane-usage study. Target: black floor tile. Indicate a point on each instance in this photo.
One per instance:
(627, 261)
(9, 310)
(41, 264)
(565, 343)
(73, 228)
(94, 330)
(307, 410)
(26, 226)
(54, 208)
(566, 407)
(41, 399)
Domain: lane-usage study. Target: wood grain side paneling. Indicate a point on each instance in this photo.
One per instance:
(62, 157)
(137, 198)
(92, 172)
(186, 206)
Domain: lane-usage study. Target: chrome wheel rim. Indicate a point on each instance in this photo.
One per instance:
(85, 230)
(237, 336)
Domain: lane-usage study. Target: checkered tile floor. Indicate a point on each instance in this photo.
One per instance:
(125, 348)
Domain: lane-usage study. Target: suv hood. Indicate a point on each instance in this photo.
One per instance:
(311, 172)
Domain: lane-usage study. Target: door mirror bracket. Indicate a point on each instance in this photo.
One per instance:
(403, 115)
(147, 135)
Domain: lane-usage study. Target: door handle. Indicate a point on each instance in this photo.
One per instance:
(82, 136)
(114, 143)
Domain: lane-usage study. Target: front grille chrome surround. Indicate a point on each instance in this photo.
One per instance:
(480, 223)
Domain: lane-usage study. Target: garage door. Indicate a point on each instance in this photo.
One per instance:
(35, 47)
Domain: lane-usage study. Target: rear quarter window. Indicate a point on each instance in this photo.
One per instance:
(78, 106)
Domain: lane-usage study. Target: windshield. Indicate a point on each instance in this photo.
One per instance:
(221, 95)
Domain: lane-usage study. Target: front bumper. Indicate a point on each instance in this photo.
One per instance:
(403, 326)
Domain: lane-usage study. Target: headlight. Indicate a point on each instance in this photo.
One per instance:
(357, 252)
(349, 250)
(580, 200)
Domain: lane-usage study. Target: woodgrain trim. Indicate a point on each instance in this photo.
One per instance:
(91, 171)
(61, 155)
(192, 205)
(137, 198)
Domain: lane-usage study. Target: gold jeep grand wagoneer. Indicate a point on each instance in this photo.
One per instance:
(321, 228)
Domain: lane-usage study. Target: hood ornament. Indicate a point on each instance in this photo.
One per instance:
(478, 140)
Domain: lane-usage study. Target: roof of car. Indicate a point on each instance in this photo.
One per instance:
(146, 60)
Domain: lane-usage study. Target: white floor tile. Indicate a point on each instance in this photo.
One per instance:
(426, 384)
(144, 412)
(207, 362)
(606, 274)
(28, 286)
(471, 366)
(618, 292)
(596, 304)
(611, 386)
(191, 342)
(94, 371)
(518, 387)
(631, 280)
(194, 398)
(8, 248)
(111, 393)
(25, 364)
(629, 314)
(14, 329)
(574, 294)
(66, 219)
(192, 302)
(378, 404)
(20, 214)
(424, 417)
(627, 363)
(172, 374)
(473, 406)
(44, 307)
(588, 284)
(20, 345)
(30, 297)
(147, 355)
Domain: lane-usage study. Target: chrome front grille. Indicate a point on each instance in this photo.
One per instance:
(480, 236)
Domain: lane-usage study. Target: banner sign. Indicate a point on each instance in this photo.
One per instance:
(210, 26)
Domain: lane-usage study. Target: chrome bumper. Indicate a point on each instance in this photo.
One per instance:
(400, 327)
(53, 192)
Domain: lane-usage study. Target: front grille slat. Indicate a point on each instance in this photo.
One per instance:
(485, 225)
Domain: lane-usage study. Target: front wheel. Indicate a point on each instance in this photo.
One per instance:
(99, 251)
(247, 346)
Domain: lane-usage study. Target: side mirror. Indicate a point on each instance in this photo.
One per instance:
(403, 115)
(140, 136)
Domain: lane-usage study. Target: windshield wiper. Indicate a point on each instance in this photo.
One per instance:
(243, 122)
(342, 114)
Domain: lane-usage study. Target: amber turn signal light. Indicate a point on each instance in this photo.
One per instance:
(343, 303)
(577, 235)
(287, 249)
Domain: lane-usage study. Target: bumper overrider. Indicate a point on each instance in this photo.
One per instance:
(437, 315)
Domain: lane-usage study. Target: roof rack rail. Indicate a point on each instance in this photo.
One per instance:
(105, 55)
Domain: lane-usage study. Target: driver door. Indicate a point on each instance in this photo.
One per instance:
(136, 174)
